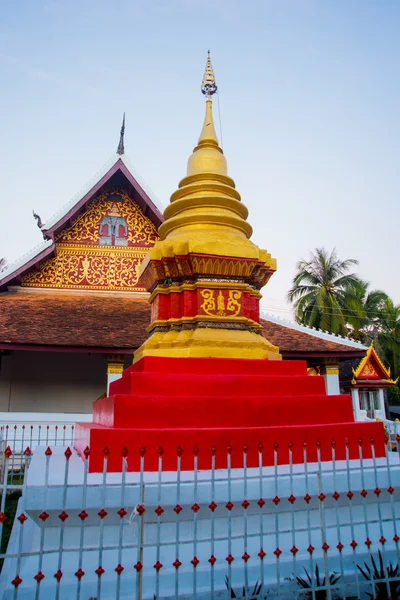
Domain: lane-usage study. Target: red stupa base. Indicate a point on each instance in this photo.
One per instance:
(213, 404)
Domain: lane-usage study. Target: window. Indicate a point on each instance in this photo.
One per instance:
(369, 401)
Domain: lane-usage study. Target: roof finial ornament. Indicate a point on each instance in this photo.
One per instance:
(208, 85)
(39, 221)
(121, 147)
(40, 224)
(208, 135)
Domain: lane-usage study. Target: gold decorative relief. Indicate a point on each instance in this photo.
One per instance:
(209, 303)
(233, 304)
(85, 267)
(227, 267)
(216, 303)
(139, 231)
(221, 304)
(102, 249)
(368, 370)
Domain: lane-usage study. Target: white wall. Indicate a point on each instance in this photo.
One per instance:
(51, 381)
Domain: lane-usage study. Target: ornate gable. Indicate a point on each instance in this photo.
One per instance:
(102, 249)
(371, 368)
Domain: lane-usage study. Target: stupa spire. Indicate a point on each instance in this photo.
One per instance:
(121, 147)
(208, 88)
(208, 85)
(206, 200)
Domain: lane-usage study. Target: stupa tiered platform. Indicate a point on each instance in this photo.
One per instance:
(173, 403)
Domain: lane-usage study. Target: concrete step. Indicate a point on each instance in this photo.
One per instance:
(134, 410)
(149, 442)
(186, 384)
(200, 366)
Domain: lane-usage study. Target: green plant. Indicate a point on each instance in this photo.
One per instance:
(391, 573)
(364, 322)
(324, 292)
(257, 593)
(393, 395)
(10, 511)
(389, 336)
(309, 584)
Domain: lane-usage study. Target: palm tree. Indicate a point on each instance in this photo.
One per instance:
(366, 317)
(323, 292)
(389, 335)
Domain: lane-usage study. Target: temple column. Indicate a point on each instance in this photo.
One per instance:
(356, 404)
(382, 409)
(330, 371)
(115, 368)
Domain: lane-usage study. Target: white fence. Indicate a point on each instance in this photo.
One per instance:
(312, 530)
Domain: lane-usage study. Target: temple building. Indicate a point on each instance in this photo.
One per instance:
(366, 380)
(72, 312)
(64, 304)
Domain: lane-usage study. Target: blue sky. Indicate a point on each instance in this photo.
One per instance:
(309, 96)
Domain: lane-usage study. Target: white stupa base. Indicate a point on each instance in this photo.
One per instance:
(113, 541)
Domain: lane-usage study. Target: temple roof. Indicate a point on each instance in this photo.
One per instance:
(371, 366)
(44, 319)
(118, 171)
(117, 322)
(369, 372)
(296, 340)
(26, 261)
(118, 163)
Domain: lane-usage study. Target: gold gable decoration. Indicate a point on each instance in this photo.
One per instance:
(85, 229)
(82, 261)
(368, 371)
(366, 368)
(83, 267)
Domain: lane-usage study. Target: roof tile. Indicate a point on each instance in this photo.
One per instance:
(110, 321)
(292, 340)
(56, 319)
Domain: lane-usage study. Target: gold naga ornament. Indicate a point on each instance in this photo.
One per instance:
(204, 273)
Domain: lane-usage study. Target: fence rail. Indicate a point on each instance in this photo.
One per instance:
(315, 530)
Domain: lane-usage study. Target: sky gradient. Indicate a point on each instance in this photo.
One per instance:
(309, 95)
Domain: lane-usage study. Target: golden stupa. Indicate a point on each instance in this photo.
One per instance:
(205, 247)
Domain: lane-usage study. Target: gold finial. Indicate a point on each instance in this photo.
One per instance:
(207, 156)
(208, 85)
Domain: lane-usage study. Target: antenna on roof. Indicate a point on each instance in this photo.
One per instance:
(121, 148)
